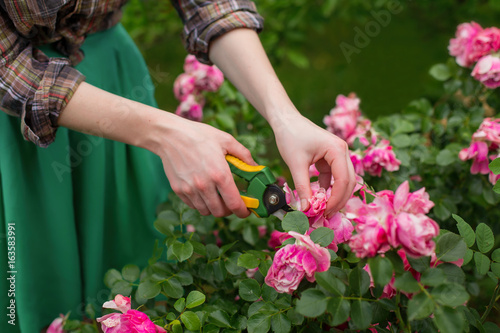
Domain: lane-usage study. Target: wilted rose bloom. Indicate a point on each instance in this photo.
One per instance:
(343, 118)
(487, 71)
(380, 157)
(190, 108)
(57, 325)
(128, 320)
(417, 202)
(478, 152)
(294, 262)
(461, 46)
(184, 86)
(414, 233)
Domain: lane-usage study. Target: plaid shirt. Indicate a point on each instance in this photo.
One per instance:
(36, 88)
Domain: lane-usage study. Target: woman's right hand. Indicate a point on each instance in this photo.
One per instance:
(193, 156)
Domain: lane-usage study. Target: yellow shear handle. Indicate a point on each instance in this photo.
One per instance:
(251, 203)
(242, 165)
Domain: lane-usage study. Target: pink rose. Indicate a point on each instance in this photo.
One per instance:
(342, 227)
(313, 172)
(461, 46)
(57, 325)
(292, 262)
(343, 118)
(207, 78)
(487, 71)
(369, 241)
(489, 131)
(128, 320)
(357, 162)
(277, 238)
(487, 41)
(364, 132)
(250, 273)
(191, 64)
(414, 233)
(190, 108)
(478, 152)
(380, 157)
(184, 86)
(414, 203)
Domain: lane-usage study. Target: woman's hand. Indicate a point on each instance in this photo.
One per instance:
(193, 156)
(301, 144)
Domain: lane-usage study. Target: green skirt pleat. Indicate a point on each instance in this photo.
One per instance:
(79, 207)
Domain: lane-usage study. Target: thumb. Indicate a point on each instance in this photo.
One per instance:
(238, 150)
(300, 175)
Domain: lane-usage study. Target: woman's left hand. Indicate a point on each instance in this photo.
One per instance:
(303, 143)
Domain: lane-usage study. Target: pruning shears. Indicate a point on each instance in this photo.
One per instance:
(262, 197)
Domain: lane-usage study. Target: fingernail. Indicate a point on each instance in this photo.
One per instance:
(303, 204)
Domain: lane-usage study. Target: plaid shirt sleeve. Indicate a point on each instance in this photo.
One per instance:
(32, 86)
(207, 20)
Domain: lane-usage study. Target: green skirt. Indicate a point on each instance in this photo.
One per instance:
(70, 212)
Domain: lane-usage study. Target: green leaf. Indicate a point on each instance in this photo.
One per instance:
(180, 304)
(212, 251)
(177, 328)
(148, 289)
(495, 256)
(183, 251)
(465, 230)
(440, 72)
(312, 303)
(122, 287)
(406, 282)
(397, 262)
(131, 272)
(259, 323)
(166, 222)
(322, 236)
(194, 299)
(482, 263)
(468, 256)
(298, 59)
(249, 261)
(495, 268)
(296, 318)
(448, 320)
(225, 121)
(339, 308)
(359, 281)
(219, 318)
(450, 247)
(268, 293)
(210, 329)
(280, 323)
(111, 277)
(295, 221)
(496, 188)
(484, 238)
(453, 273)
(232, 264)
(361, 314)
(495, 166)
(331, 284)
(445, 157)
(185, 278)
(239, 322)
(420, 307)
(191, 321)
(433, 277)
(249, 290)
(450, 294)
(173, 288)
(226, 247)
(381, 269)
(199, 248)
(490, 327)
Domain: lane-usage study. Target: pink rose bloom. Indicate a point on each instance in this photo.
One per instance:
(292, 262)
(414, 203)
(262, 230)
(369, 241)
(344, 117)
(488, 131)
(493, 178)
(414, 233)
(250, 273)
(128, 320)
(317, 202)
(478, 152)
(207, 78)
(487, 41)
(357, 162)
(487, 71)
(313, 172)
(190, 108)
(380, 157)
(342, 228)
(184, 86)
(277, 238)
(191, 64)
(364, 132)
(461, 46)
(57, 325)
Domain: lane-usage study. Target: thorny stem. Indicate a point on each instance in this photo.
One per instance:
(492, 302)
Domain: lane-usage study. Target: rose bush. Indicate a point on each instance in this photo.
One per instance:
(414, 250)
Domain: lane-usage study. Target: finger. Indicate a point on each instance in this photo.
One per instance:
(215, 203)
(230, 195)
(199, 206)
(325, 174)
(352, 182)
(300, 175)
(238, 150)
(340, 188)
